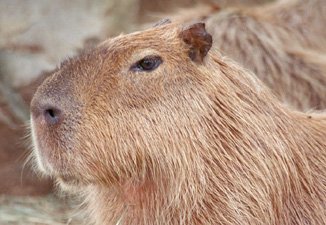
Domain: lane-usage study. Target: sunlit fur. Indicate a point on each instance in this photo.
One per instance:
(283, 43)
(188, 143)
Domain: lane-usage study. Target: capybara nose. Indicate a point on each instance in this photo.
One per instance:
(46, 113)
(52, 115)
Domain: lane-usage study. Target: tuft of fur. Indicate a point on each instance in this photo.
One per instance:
(187, 143)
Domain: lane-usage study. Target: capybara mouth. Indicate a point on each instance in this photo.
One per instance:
(46, 157)
(46, 164)
(41, 152)
(50, 148)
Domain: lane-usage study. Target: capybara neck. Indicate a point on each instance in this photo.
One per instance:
(245, 156)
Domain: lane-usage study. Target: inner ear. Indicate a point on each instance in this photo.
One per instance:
(198, 40)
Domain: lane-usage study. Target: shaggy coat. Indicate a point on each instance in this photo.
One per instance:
(196, 140)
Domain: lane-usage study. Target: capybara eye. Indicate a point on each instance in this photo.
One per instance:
(147, 64)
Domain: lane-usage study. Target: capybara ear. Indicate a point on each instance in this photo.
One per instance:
(199, 41)
(162, 22)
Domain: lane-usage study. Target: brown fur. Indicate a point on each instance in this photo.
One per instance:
(283, 43)
(189, 143)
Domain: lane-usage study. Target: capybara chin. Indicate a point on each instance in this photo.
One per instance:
(154, 128)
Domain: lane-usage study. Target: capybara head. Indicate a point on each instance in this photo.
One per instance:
(156, 129)
(108, 116)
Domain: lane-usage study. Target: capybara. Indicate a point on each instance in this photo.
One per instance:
(283, 43)
(154, 128)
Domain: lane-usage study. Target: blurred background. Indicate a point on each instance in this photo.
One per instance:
(35, 35)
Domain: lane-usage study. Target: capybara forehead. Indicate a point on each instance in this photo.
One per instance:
(163, 39)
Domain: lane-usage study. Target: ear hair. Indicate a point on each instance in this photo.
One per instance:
(199, 41)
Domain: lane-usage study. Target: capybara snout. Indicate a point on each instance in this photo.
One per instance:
(55, 113)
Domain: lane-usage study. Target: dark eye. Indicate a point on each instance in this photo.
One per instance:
(148, 63)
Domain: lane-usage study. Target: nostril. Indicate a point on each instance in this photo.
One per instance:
(52, 115)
